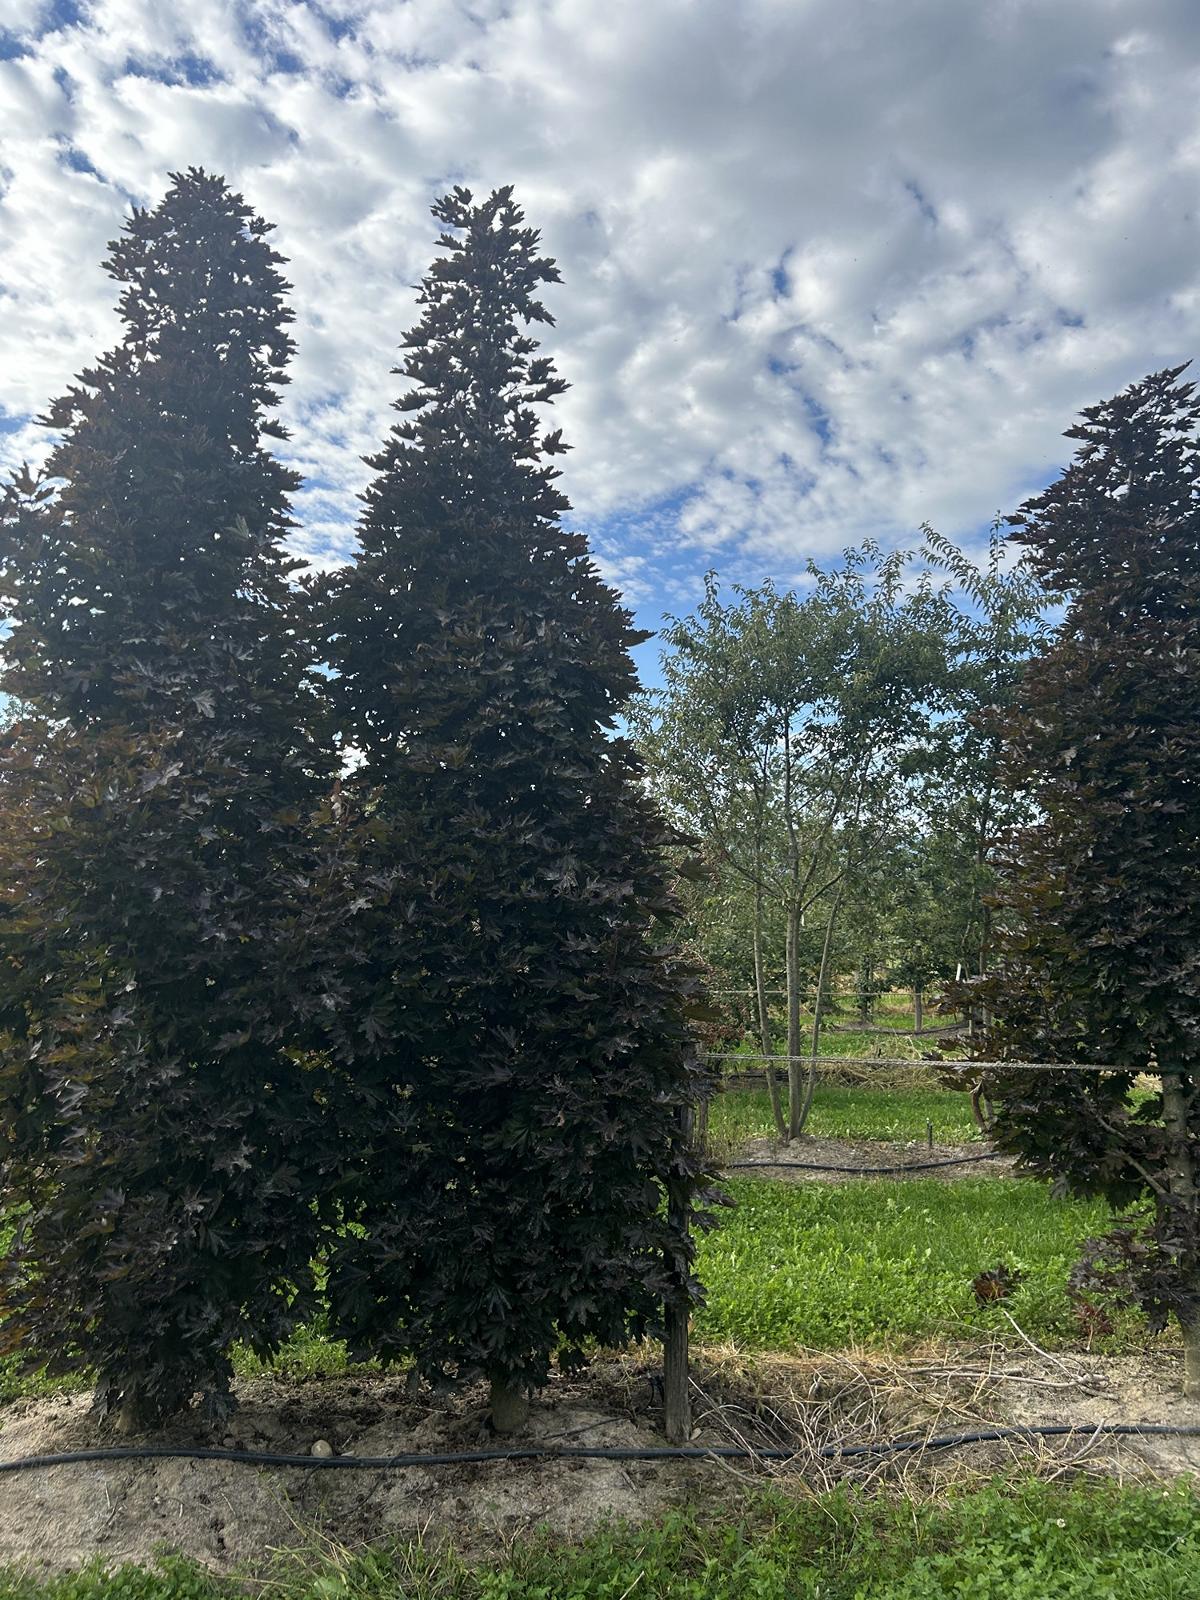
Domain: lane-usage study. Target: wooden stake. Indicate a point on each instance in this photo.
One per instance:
(677, 1404)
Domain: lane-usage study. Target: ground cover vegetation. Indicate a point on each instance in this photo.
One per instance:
(862, 1262)
(892, 1264)
(849, 1111)
(1005, 1540)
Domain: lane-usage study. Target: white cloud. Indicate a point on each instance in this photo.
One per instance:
(831, 268)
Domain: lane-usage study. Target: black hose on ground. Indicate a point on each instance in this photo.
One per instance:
(723, 1452)
(871, 1172)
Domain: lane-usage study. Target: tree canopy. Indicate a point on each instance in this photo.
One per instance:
(530, 1024)
(158, 1124)
(1101, 895)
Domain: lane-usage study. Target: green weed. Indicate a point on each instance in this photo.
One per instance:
(1016, 1540)
(885, 1263)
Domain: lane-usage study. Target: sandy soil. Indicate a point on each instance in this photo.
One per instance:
(233, 1516)
(1146, 1388)
(860, 1154)
(236, 1517)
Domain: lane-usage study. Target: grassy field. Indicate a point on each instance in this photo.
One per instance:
(869, 1263)
(884, 1263)
(855, 1111)
(820, 1266)
(841, 1111)
(862, 1263)
(1014, 1541)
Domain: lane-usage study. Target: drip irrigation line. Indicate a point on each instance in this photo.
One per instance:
(722, 1452)
(921, 1166)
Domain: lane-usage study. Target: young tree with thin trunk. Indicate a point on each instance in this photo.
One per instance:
(779, 739)
(1101, 897)
(997, 630)
(528, 1170)
(164, 1139)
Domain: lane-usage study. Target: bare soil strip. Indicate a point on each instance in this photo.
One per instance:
(234, 1518)
(858, 1154)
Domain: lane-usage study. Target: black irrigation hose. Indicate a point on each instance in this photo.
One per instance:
(873, 1172)
(723, 1452)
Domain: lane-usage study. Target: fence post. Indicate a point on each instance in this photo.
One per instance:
(677, 1406)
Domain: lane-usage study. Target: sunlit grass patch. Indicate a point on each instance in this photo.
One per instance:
(841, 1111)
(824, 1266)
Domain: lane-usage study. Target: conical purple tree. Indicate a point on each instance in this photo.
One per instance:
(161, 1130)
(523, 1113)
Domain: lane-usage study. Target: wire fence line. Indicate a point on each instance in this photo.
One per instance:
(969, 1068)
(836, 994)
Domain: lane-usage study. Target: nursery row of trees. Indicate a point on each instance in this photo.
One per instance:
(835, 752)
(894, 776)
(408, 1019)
(335, 969)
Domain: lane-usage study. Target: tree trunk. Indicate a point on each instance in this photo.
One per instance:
(798, 1123)
(128, 1419)
(1181, 1169)
(510, 1406)
(702, 1124)
(764, 1020)
(981, 1106)
(795, 910)
(985, 938)
(677, 1408)
(866, 980)
(1190, 1328)
(918, 1011)
(795, 1081)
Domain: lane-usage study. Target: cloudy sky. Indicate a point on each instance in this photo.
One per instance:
(832, 267)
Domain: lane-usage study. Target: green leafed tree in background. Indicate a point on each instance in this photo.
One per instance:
(997, 629)
(782, 738)
(523, 1087)
(159, 1130)
(1101, 897)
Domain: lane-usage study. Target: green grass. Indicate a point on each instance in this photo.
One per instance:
(14, 1384)
(1020, 1540)
(309, 1353)
(852, 1042)
(822, 1266)
(842, 1112)
(889, 1264)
